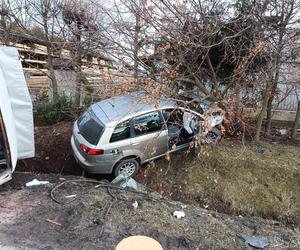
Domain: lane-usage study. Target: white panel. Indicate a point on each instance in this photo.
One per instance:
(8, 120)
(20, 101)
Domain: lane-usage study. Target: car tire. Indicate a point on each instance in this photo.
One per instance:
(213, 136)
(130, 166)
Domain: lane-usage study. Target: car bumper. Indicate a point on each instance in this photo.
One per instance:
(90, 167)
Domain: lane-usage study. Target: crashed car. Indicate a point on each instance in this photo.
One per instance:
(118, 135)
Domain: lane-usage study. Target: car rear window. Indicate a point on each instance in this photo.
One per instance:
(90, 127)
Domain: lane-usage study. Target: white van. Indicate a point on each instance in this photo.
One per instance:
(16, 117)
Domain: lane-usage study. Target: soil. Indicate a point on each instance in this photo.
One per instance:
(53, 152)
(230, 178)
(101, 217)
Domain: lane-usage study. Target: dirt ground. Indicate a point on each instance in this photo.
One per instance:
(100, 217)
(52, 151)
(232, 177)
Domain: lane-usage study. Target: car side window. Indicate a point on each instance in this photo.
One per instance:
(148, 123)
(121, 132)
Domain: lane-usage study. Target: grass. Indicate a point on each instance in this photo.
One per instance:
(241, 181)
(235, 179)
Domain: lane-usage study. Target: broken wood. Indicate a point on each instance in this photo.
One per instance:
(54, 222)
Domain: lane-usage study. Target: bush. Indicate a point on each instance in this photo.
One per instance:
(62, 109)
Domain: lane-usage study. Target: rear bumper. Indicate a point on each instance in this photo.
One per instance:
(90, 167)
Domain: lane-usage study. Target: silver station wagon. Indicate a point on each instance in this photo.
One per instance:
(119, 134)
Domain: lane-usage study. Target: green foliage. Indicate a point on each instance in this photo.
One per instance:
(88, 98)
(62, 109)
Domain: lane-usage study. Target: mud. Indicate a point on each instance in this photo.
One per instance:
(100, 217)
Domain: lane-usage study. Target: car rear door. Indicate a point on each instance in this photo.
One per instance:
(150, 135)
(119, 145)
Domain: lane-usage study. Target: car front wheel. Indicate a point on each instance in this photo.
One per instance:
(128, 167)
(213, 136)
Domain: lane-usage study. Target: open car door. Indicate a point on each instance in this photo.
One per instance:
(16, 118)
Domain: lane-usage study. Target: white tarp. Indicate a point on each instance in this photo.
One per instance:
(15, 105)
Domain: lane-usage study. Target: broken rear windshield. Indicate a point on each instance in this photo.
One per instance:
(90, 127)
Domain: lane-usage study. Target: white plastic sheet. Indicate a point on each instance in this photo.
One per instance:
(16, 106)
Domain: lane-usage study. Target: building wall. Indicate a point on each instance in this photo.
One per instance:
(100, 75)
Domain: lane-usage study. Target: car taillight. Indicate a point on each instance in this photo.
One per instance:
(91, 151)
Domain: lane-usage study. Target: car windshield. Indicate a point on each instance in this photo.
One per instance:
(90, 127)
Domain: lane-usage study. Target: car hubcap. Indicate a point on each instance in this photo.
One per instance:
(127, 168)
(211, 138)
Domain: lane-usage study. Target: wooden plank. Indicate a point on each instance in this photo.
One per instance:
(42, 80)
(33, 61)
(36, 71)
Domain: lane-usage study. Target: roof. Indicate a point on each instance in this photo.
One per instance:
(120, 108)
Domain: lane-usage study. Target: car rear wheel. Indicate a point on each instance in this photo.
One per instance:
(129, 167)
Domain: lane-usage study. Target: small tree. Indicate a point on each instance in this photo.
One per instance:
(84, 38)
(37, 21)
(279, 19)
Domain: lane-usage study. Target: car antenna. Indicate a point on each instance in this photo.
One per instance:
(111, 104)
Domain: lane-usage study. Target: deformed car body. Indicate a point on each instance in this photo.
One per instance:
(119, 134)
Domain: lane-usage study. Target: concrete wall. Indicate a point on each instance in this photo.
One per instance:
(66, 81)
(278, 115)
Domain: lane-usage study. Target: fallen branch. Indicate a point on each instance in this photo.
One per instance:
(54, 222)
(101, 184)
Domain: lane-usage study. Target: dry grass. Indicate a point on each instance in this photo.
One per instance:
(235, 179)
(242, 181)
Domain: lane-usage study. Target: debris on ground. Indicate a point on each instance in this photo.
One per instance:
(179, 214)
(54, 222)
(281, 131)
(125, 181)
(99, 218)
(71, 196)
(255, 241)
(262, 150)
(36, 182)
(135, 204)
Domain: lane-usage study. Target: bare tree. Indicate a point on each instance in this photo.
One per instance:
(36, 21)
(280, 21)
(59, 24)
(83, 19)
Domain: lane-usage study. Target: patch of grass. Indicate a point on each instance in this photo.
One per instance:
(234, 178)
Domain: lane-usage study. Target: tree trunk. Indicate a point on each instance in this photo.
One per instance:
(49, 46)
(78, 65)
(136, 45)
(53, 85)
(77, 100)
(297, 121)
(274, 83)
(4, 28)
(269, 116)
(262, 113)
